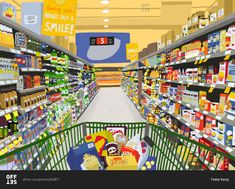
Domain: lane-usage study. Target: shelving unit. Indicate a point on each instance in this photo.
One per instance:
(142, 69)
(77, 66)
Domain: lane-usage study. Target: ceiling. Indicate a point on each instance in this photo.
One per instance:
(145, 20)
(132, 14)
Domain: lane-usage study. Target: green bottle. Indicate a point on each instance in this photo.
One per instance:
(1, 132)
(54, 57)
(5, 131)
(15, 124)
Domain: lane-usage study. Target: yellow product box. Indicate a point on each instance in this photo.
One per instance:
(121, 163)
(163, 40)
(224, 8)
(100, 139)
(170, 37)
(178, 33)
(212, 12)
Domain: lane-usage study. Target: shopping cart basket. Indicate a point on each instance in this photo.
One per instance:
(171, 150)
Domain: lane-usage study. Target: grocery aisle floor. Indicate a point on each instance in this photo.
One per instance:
(111, 105)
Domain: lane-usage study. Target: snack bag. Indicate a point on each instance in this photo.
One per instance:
(100, 140)
(121, 163)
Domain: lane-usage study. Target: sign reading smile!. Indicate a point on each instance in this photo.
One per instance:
(59, 17)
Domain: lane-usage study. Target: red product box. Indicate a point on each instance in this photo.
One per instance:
(210, 122)
(209, 78)
(203, 152)
(129, 151)
(199, 121)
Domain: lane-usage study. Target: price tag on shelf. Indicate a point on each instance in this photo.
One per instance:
(201, 61)
(38, 54)
(218, 117)
(202, 57)
(232, 85)
(230, 117)
(11, 146)
(8, 117)
(15, 114)
(2, 113)
(8, 82)
(20, 139)
(227, 90)
(212, 87)
(227, 57)
(2, 83)
(198, 58)
(13, 50)
(196, 109)
(15, 142)
(18, 52)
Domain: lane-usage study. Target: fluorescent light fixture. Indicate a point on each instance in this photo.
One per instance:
(105, 2)
(106, 26)
(106, 20)
(105, 11)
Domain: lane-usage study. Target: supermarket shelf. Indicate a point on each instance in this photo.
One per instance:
(9, 50)
(216, 86)
(8, 82)
(88, 104)
(61, 66)
(43, 39)
(212, 27)
(191, 126)
(9, 139)
(202, 58)
(24, 110)
(228, 119)
(30, 90)
(136, 105)
(63, 85)
(33, 122)
(32, 70)
(8, 110)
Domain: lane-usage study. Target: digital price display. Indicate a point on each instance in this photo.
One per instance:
(101, 41)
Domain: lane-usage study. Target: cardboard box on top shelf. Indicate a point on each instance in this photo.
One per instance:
(141, 54)
(145, 51)
(170, 37)
(163, 40)
(189, 24)
(212, 12)
(225, 8)
(197, 20)
(152, 47)
(178, 33)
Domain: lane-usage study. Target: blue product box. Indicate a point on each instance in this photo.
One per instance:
(150, 164)
(230, 135)
(84, 157)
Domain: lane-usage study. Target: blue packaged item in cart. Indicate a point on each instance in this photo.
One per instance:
(149, 165)
(84, 157)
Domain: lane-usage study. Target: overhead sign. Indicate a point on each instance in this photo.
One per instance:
(59, 17)
(132, 51)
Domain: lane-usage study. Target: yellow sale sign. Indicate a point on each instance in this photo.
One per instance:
(59, 17)
(132, 51)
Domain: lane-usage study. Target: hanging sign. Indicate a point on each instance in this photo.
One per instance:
(59, 17)
(132, 51)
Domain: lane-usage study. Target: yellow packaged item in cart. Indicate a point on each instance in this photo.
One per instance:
(100, 140)
(121, 163)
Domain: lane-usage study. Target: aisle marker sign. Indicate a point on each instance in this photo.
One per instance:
(59, 17)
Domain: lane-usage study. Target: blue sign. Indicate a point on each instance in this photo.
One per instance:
(102, 47)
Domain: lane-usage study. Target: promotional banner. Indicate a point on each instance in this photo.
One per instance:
(59, 17)
(132, 51)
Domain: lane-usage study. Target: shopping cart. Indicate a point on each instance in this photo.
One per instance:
(171, 150)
